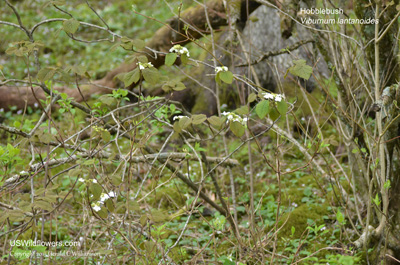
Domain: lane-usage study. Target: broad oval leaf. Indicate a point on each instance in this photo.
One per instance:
(45, 74)
(243, 110)
(199, 118)
(282, 107)
(184, 58)
(170, 59)
(226, 77)
(131, 77)
(71, 25)
(151, 75)
(262, 109)
(184, 122)
(252, 97)
(237, 128)
(138, 43)
(96, 190)
(215, 121)
(301, 69)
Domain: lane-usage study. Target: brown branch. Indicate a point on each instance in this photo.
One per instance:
(275, 53)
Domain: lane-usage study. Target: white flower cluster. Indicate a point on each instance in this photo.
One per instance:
(234, 117)
(276, 97)
(83, 180)
(144, 65)
(178, 117)
(178, 49)
(103, 197)
(221, 69)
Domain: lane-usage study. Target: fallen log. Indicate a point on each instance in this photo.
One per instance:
(174, 32)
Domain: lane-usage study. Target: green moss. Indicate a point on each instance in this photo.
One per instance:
(298, 218)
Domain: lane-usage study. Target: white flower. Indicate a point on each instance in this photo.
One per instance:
(19, 112)
(178, 49)
(278, 98)
(2, 110)
(81, 180)
(221, 69)
(111, 194)
(268, 96)
(36, 105)
(94, 180)
(104, 197)
(323, 228)
(144, 65)
(234, 117)
(178, 117)
(96, 207)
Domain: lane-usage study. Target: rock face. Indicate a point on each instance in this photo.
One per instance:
(259, 36)
(264, 35)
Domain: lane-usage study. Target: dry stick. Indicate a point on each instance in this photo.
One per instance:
(381, 143)
(188, 182)
(228, 214)
(275, 53)
(335, 159)
(219, 193)
(193, 203)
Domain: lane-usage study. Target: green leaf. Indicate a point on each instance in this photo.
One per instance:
(131, 77)
(116, 179)
(103, 213)
(199, 118)
(262, 109)
(46, 137)
(301, 69)
(142, 59)
(184, 122)
(71, 25)
(138, 43)
(184, 58)
(43, 205)
(96, 190)
(252, 97)
(376, 200)
(215, 121)
(110, 205)
(282, 108)
(133, 206)
(243, 110)
(387, 184)
(107, 99)
(151, 75)
(158, 216)
(339, 217)
(274, 114)
(170, 59)
(173, 85)
(45, 74)
(106, 136)
(237, 128)
(226, 77)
